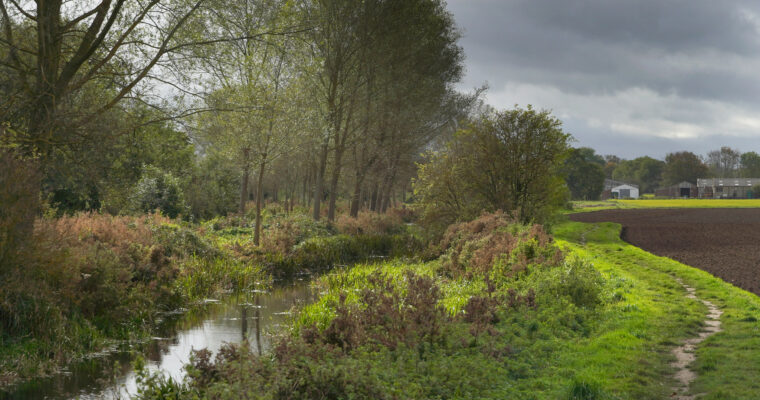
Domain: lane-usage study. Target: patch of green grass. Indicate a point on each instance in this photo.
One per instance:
(728, 363)
(619, 350)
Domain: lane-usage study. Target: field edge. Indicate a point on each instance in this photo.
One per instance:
(727, 363)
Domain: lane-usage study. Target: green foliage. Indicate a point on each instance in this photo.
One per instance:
(214, 188)
(576, 280)
(424, 330)
(646, 172)
(683, 166)
(158, 190)
(584, 174)
(750, 164)
(485, 167)
(586, 390)
(90, 277)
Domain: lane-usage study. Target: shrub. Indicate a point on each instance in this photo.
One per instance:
(285, 231)
(575, 280)
(19, 200)
(158, 190)
(370, 223)
(387, 314)
(495, 245)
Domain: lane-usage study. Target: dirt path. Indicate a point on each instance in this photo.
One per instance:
(685, 353)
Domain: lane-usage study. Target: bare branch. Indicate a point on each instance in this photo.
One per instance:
(126, 89)
(22, 11)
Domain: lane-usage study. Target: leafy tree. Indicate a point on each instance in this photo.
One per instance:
(59, 52)
(585, 174)
(158, 190)
(750, 164)
(683, 166)
(213, 187)
(509, 160)
(646, 172)
(724, 163)
(588, 154)
(610, 163)
(253, 91)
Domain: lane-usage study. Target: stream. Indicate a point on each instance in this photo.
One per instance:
(109, 375)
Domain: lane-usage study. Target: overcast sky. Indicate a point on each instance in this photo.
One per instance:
(627, 77)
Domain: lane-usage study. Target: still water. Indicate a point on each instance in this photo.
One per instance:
(109, 375)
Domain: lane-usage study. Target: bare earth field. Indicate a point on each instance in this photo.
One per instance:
(723, 242)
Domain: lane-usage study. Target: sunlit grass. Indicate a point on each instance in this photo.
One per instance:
(654, 315)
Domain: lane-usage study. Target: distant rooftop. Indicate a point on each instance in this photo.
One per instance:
(716, 182)
(611, 183)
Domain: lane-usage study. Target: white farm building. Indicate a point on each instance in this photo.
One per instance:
(625, 191)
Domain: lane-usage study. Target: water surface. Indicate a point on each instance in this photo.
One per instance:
(109, 375)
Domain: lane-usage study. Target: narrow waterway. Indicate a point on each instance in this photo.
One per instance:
(110, 376)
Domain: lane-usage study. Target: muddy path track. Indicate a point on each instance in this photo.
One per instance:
(702, 238)
(685, 353)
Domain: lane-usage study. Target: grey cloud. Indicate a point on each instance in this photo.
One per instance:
(699, 57)
(607, 45)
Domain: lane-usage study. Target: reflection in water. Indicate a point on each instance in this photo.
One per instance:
(111, 375)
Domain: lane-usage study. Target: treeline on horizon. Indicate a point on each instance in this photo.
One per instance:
(586, 170)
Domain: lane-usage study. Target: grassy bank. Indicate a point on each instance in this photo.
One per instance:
(500, 314)
(83, 282)
(728, 363)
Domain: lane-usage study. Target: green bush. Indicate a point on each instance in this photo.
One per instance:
(158, 190)
(321, 254)
(575, 280)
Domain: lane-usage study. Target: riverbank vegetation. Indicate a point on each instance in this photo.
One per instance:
(584, 317)
(90, 279)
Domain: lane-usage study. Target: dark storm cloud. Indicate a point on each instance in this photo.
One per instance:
(697, 61)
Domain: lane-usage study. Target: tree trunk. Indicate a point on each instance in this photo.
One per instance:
(319, 181)
(49, 43)
(334, 184)
(356, 200)
(259, 189)
(244, 182)
(373, 197)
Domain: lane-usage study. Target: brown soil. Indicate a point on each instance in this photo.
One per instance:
(723, 242)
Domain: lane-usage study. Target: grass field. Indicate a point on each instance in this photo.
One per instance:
(585, 206)
(655, 315)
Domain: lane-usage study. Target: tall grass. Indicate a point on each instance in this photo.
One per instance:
(438, 329)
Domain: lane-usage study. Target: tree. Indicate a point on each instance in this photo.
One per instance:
(646, 172)
(56, 51)
(406, 99)
(509, 160)
(750, 164)
(610, 163)
(158, 190)
(253, 89)
(724, 163)
(585, 174)
(683, 166)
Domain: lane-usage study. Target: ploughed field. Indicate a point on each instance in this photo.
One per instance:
(723, 242)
